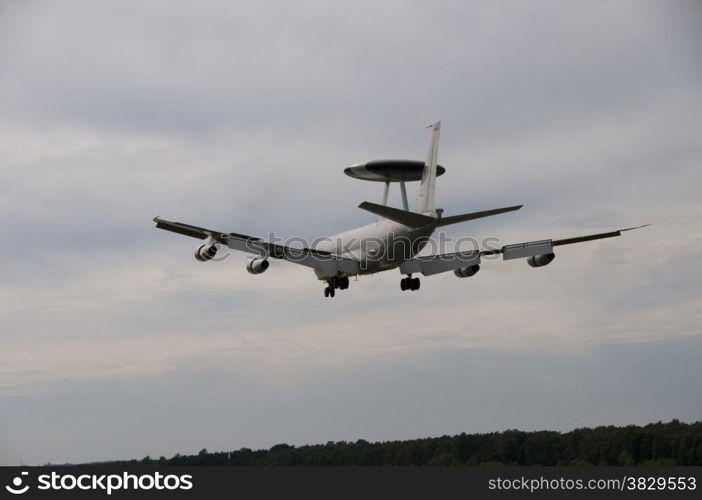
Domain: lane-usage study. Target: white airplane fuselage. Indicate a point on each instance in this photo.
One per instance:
(380, 246)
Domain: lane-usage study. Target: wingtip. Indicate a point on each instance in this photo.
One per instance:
(636, 227)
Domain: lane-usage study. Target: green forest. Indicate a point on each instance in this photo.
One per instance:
(671, 443)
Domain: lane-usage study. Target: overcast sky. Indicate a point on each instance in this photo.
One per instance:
(241, 116)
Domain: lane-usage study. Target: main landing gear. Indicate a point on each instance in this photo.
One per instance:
(409, 283)
(340, 282)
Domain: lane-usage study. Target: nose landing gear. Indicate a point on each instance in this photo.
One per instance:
(409, 283)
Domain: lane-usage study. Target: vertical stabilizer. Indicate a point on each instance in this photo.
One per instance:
(425, 200)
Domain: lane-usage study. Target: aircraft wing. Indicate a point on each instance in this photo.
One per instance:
(324, 262)
(195, 231)
(541, 247)
(436, 264)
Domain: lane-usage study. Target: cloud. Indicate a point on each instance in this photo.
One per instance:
(431, 393)
(241, 117)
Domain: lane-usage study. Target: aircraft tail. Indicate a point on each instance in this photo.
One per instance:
(425, 199)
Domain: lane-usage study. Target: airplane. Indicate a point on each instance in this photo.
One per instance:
(390, 243)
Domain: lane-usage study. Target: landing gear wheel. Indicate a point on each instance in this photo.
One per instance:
(344, 282)
(331, 292)
(326, 292)
(409, 283)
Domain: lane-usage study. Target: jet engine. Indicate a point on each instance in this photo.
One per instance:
(541, 260)
(257, 266)
(206, 252)
(468, 271)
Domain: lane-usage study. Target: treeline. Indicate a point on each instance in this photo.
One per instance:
(672, 443)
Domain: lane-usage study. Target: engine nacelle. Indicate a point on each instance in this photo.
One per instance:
(257, 266)
(541, 260)
(206, 252)
(468, 271)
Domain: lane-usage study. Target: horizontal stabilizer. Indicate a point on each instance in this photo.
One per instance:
(410, 219)
(454, 219)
